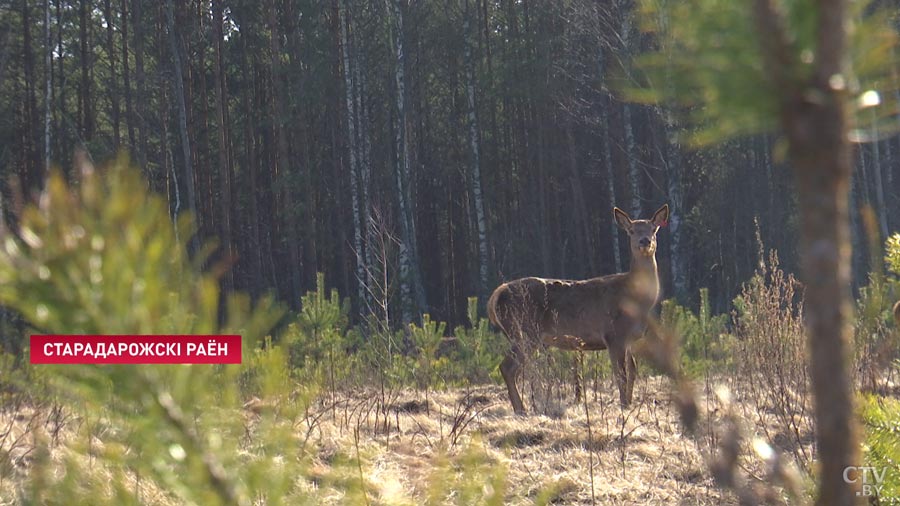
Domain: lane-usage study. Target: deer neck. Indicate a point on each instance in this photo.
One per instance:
(644, 279)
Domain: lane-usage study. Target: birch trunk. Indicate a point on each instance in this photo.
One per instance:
(182, 116)
(126, 77)
(48, 72)
(224, 159)
(140, 82)
(85, 107)
(672, 163)
(115, 112)
(353, 150)
(365, 169)
(171, 179)
(634, 179)
(607, 162)
(475, 168)
(411, 295)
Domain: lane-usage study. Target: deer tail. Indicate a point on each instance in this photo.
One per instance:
(492, 306)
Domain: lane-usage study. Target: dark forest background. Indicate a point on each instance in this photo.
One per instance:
(416, 152)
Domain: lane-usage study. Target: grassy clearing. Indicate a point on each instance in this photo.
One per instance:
(403, 449)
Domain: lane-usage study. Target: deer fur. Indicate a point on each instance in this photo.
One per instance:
(604, 313)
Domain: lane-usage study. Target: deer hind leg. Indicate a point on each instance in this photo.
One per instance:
(620, 373)
(631, 374)
(510, 368)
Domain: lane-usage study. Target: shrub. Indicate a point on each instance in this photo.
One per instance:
(770, 355)
(424, 364)
(104, 258)
(892, 253)
(876, 344)
(704, 339)
(320, 342)
(479, 350)
(881, 447)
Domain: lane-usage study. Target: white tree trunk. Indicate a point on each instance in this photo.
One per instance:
(353, 149)
(411, 293)
(475, 175)
(48, 90)
(182, 120)
(634, 179)
(365, 169)
(673, 178)
(608, 164)
(672, 162)
(364, 145)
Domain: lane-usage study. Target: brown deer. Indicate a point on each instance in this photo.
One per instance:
(602, 313)
(897, 314)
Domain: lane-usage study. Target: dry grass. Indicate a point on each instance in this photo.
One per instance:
(639, 455)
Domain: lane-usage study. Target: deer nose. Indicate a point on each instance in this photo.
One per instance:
(645, 242)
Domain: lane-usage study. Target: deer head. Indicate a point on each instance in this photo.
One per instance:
(642, 233)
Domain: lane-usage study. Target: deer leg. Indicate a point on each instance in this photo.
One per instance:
(509, 368)
(620, 373)
(631, 373)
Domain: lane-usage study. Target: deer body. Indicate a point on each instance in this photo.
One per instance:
(604, 313)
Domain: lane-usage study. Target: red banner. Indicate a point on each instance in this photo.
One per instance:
(136, 349)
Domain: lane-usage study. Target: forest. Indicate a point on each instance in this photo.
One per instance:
(488, 140)
(345, 183)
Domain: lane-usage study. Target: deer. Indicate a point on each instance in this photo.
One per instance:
(603, 313)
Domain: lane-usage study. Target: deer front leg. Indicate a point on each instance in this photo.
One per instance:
(620, 373)
(510, 368)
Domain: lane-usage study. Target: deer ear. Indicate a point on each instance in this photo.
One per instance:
(622, 218)
(661, 217)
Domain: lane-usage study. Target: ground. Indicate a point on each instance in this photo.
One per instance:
(400, 441)
(638, 455)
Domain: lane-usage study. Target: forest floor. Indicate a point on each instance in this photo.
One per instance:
(400, 444)
(639, 455)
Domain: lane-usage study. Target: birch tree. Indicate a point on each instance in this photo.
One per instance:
(411, 293)
(140, 82)
(634, 177)
(475, 166)
(608, 171)
(174, 47)
(126, 77)
(85, 100)
(364, 146)
(353, 151)
(48, 73)
(112, 86)
(225, 162)
(672, 161)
